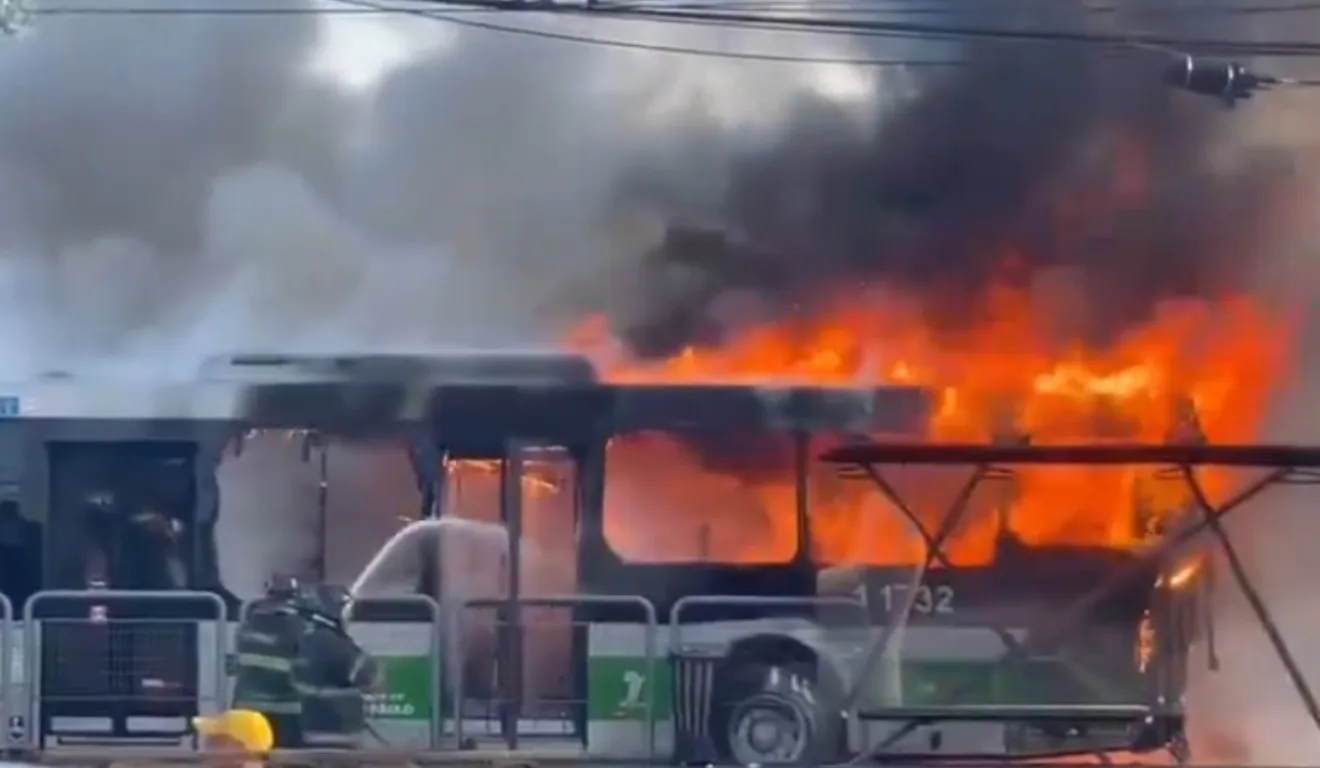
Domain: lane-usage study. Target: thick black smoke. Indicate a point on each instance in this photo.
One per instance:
(1031, 157)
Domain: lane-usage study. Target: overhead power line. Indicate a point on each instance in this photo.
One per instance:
(717, 15)
(946, 8)
(968, 32)
(888, 8)
(1229, 80)
(635, 45)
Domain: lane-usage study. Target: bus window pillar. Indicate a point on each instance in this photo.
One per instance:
(802, 496)
(430, 464)
(510, 618)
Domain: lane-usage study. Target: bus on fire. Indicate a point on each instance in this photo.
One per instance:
(739, 587)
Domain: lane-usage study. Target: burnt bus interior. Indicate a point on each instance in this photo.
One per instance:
(728, 425)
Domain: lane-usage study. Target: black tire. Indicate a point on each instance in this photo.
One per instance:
(785, 719)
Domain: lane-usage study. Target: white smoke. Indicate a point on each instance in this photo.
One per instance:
(1249, 711)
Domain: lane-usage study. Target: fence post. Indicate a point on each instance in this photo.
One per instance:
(454, 641)
(7, 665)
(572, 601)
(32, 650)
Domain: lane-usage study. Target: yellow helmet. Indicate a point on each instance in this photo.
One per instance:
(248, 727)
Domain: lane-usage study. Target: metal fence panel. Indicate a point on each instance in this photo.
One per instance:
(541, 634)
(100, 657)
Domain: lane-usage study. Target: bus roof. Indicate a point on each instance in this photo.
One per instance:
(494, 392)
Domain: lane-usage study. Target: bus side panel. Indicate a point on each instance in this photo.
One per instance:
(619, 682)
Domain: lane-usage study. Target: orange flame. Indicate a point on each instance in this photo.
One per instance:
(1007, 373)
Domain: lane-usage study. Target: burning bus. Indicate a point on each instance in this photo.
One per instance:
(738, 584)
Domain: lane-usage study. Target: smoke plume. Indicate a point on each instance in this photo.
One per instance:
(1033, 160)
(177, 186)
(1248, 710)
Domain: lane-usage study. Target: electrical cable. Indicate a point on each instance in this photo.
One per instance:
(745, 20)
(973, 33)
(662, 48)
(901, 8)
(1165, 45)
(1228, 80)
(816, 9)
(255, 10)
(372, 9)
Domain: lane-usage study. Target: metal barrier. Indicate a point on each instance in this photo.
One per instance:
(98, 613)
(435, 641)
(297, 758)
(694, 669)
(6, 669)
(459, 625)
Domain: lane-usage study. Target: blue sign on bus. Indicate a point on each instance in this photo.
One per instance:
(9, 406)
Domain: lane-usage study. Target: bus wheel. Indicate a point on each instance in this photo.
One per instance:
(783, 722)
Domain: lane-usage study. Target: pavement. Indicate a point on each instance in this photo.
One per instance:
(117, 757)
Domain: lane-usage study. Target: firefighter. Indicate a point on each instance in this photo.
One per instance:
(268, 641)
(332, 674)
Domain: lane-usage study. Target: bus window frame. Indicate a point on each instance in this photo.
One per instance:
(592, 518)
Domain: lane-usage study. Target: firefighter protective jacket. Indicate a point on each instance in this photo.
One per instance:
(333, 675)
(268, 642)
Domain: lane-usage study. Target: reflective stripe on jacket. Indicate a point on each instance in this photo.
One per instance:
(268, 643)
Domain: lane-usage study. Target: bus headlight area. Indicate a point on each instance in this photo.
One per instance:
(523, 595)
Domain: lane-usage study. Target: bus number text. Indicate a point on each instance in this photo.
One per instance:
(936, 600)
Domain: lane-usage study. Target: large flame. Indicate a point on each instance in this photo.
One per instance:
(1196, 369)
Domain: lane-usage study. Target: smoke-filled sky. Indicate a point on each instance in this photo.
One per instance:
(175, 186)
(180, 185)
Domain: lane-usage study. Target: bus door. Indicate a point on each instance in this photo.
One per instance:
(524, 671)
(120, 517)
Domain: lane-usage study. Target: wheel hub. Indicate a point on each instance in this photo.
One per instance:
(769, 732)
